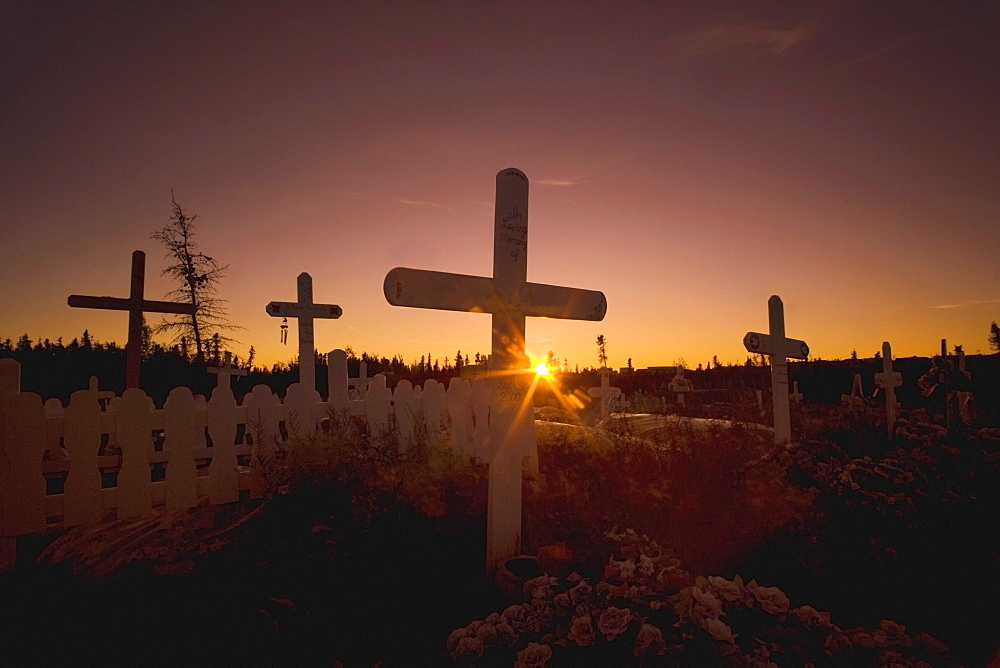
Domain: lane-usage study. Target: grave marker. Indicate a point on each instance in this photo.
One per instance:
(226, 371)
(889, 380)
(779, 348)
(795, 396)
(306, 311)
(360, 384)
(509, 298)
(856, 399)
(605, 392)
(680, 385)
(136, 306)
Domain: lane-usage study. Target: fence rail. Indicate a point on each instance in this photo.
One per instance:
(95, 458)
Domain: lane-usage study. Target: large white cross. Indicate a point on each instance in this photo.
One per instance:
(305, 310)
(780, 349)
(226, 371)
(136, 306)
(889, 380)
(605, 392)
(509, 297)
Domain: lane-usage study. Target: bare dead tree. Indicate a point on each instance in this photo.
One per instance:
(198, 276)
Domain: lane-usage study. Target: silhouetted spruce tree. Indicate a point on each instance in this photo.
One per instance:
(994, 337)
(198, 276)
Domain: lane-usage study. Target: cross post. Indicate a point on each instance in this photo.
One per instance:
(889, 380)
(780, 349)
(605, 392)
(305, 310)
(226, 371)
(509, 298)
(136, 306)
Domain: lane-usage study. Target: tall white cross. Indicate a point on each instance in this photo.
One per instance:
(136, 306)
(889, 380)
(509, 297)
(305, 310)
(780, 349)
(605, 392)
(226, 371)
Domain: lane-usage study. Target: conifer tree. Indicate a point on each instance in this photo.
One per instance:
(198, 276)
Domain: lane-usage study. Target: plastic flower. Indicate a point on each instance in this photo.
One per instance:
(535, 655)
(469, 649)
(809, 616)
(890, 632)
(649, 641)
(540, 588)
(614, 621)
(718, 629)
(772, 599)
(581, 630)
(455, 636)
(522, 618)
(729, 591)
(581, 592)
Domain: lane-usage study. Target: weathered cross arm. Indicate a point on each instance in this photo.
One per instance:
(440, 290)
(286, 309)
(554, 301)
(766, 344)
(419, 288)
(120, 304)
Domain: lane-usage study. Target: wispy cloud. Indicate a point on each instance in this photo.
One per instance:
(420, 202)
(561, 183)
(889, 47)
(728, 36)
(969, 302)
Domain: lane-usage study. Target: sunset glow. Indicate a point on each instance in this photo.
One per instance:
(688, 161)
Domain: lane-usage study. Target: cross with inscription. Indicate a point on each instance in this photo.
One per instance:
(226, 371)
(305, 311)
(889, 380)
(509, 298)
(780, 349)
(136, 306)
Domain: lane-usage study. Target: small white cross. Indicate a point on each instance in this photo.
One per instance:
(305, 310)
(889, 380)
(226, 371)
(779, 348)
(605, 392)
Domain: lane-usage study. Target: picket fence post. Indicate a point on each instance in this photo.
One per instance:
(43, 440)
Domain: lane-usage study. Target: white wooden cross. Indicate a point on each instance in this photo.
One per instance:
(360, 384)
(226, 371)
(605, 392)
(889, 380)
(856, 399)
(509, 297)
(795, 396)
(779, 348)
(136, 306)
(103, 396)
(680, 385)
(305, 310)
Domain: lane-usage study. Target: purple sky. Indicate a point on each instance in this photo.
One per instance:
(688, 159)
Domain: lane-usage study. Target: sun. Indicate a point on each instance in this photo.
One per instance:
(541, 369)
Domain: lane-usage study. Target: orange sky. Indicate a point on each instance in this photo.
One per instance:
(689, 161)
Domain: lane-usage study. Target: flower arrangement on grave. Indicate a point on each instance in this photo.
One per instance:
(646, 610)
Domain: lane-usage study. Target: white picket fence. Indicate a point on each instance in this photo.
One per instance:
(200, 451)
